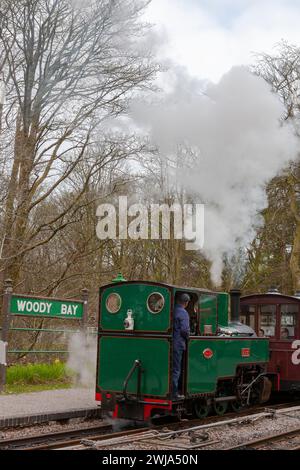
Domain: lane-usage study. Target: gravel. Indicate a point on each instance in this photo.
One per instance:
(69, 399)
(226, 435)
(40, 429)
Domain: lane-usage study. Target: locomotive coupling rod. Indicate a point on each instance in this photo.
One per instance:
(229, 398)
(253, 382)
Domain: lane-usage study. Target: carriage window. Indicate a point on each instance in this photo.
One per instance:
(113, 303)
(288, 321)
(155, 302)
(267, 323)
(248, 315)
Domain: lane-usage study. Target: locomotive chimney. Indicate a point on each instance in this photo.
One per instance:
(235, 296)
(273, 290)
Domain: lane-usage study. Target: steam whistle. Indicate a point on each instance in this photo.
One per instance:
(129, 321)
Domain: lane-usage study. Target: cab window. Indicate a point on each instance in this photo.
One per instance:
(113, 303)
(155, 302)
(193, 310)
(288, 321)
(267, 321)
(248, 315)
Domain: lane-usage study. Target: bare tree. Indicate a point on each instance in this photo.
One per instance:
(66, 70)
(282, 71)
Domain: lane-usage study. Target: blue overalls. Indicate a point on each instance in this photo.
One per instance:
(181, 331)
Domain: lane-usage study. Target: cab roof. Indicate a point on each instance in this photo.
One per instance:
(154, 283)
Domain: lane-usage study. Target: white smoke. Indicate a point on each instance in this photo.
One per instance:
(82, 358)
(234, 128)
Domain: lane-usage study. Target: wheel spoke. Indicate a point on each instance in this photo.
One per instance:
(236, 406)
(201, 409)
(220, 408)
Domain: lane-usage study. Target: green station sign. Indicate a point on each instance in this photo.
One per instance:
(46, 307)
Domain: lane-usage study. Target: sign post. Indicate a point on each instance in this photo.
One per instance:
(25, 305)
(5, 327)
(3, 352)
(85, 296)
(28, 306)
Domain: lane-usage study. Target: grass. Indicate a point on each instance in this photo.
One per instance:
(37, 377)
(25, 388)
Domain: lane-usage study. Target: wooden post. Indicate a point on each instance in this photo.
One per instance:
(5, 325)
(85, 298)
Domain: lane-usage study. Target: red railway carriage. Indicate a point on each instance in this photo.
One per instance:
(277, 317)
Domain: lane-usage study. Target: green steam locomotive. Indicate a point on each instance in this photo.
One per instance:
(224, 365)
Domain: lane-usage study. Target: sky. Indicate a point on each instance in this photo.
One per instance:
(208, 37)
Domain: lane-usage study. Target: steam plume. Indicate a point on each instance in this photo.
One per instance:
(82, 358)
(235, 131)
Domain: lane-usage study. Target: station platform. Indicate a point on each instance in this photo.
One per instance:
(50, 405)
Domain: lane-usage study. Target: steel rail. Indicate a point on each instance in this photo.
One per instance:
(257, 443)
(90, 438)
(164, 438)
(269, 413)
(63, 439)
(24, 442)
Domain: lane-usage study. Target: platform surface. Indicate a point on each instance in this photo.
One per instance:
(47, 402)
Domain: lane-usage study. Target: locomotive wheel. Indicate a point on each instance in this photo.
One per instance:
(236, 406)
(201, 409)
(221, 407)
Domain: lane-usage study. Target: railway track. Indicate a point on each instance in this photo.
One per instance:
(47, 439)
(73, 437)
(267, 442)
(103, 435)
(195, 437)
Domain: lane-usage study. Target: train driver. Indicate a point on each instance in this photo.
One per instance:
(181, 332)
